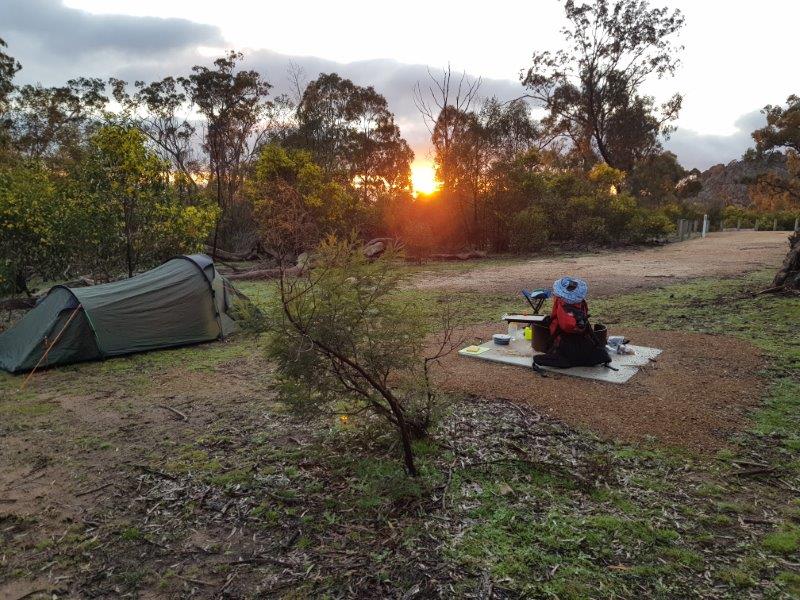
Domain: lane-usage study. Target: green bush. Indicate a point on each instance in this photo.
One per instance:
(343, 343)
(31, 238)
(591, 230)
(647, 226)
(528, 230)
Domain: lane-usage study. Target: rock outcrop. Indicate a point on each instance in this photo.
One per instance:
(729, 184)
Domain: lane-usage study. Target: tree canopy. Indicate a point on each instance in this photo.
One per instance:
(591, 88)
(351, 133)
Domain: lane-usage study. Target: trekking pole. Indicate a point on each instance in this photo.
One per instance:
(50, 347)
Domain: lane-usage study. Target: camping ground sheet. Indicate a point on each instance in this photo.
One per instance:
(520, 354)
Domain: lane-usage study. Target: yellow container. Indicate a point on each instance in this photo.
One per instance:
(528, 333)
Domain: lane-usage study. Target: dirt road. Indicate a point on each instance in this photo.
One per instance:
(608, 273)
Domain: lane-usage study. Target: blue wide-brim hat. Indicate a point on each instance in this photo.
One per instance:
(571, 289)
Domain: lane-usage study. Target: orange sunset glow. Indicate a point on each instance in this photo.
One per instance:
(423, 178)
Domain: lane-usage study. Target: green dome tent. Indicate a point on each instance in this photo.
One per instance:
(184, 301)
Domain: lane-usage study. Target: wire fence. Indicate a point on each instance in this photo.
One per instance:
(687, 229)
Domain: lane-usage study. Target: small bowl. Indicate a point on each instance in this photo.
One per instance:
(501, 339)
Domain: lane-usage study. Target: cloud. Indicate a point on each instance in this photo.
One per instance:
(56, 43)
(71, 33)
(394, 80)
(699, 150)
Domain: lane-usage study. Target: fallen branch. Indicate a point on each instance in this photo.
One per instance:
(273, 273)
(753, 471)
(250, 254)
(175, 411)
(33, 593)
(771, 290)
(18, 303)
(147, 469)
(470, 254)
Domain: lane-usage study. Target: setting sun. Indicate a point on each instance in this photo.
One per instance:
(423, 178)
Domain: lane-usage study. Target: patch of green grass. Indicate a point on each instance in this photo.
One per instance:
(195, 461)
(786, 541)
(91, 442)
(241, 477)
(384, 480)
(131, 534)
(528, 548)
(710, 490)
(471, 307)
(780, 413)
(733, 508)
(790, 582)
(19, 405)
(737, 578)
(684, 557)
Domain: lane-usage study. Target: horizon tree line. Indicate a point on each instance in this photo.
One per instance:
(211, 158)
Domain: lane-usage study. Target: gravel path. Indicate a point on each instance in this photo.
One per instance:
(611, 272)
(695, 396)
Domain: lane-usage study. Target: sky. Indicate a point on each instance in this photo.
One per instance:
(738, 56)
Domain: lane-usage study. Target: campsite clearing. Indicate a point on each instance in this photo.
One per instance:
(175, 474)
(611, 272)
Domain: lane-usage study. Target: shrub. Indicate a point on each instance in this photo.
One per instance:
(528, 230)
(646, 226)
(31, 237)
(342, 343)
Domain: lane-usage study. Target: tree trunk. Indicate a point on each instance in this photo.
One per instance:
(408, 453)
(129, 255)
(788, 277)
(221, 212)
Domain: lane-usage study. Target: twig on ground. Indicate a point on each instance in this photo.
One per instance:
(93, 490)
(753, 471)
(174, 411)
(770, 290)
(195, 581)
(227, 584)
(151, 471)
(33, 593)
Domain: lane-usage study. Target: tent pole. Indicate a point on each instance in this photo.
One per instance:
(50, 347)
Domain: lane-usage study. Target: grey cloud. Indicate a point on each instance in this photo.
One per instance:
(66, 34)
(55, 43)
(392, 79)
(698, 150)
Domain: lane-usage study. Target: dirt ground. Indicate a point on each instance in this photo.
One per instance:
(173, 474)
(609, 273)
(698, 409)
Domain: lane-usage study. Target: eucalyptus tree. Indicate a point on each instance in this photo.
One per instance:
(352, 135)
(775, 190)
(233, 104)
(592, 88)
(163, 112)
(53, 123)
(9, 66)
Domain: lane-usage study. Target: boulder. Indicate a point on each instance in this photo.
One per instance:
(374, 249)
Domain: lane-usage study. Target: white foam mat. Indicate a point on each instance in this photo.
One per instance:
(520, 354)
